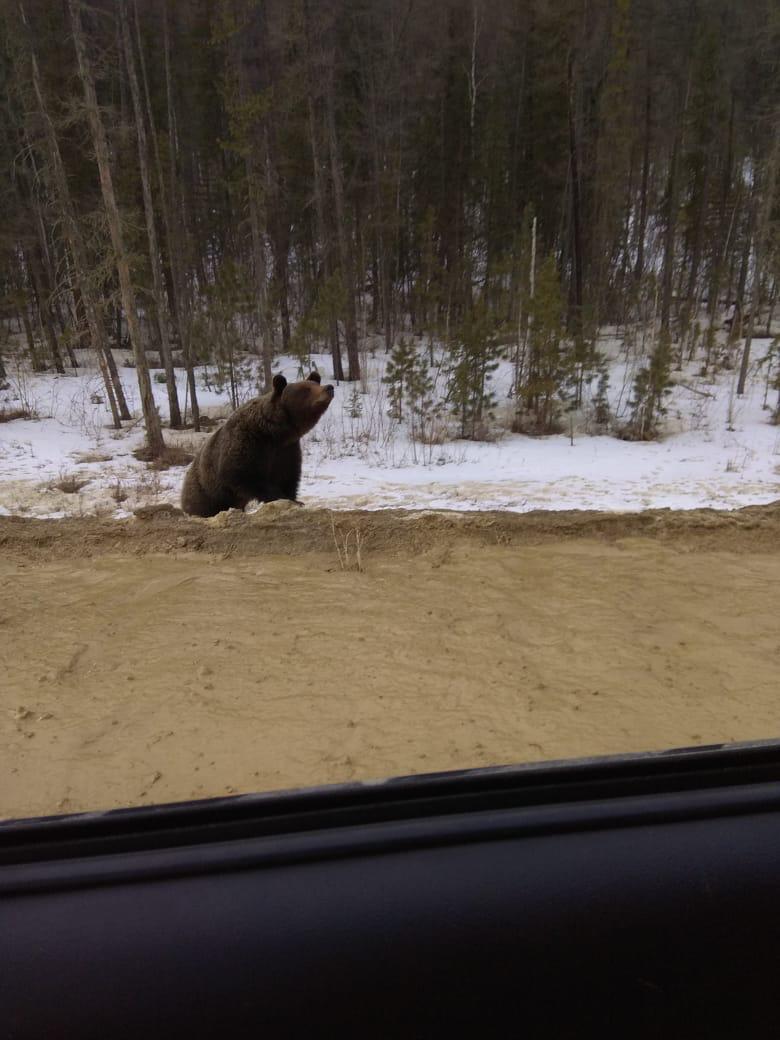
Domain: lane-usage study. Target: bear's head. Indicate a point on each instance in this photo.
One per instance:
(304, 403)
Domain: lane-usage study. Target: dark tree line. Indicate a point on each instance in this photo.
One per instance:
(297, 174)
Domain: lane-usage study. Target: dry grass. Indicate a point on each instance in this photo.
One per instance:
(172, 456)
(118, 493)
(148, 486)
(69, 483)
(9, 414)
(349, 547)
(187, 443)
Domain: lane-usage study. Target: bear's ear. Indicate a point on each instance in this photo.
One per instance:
(315, 377)
(279, 384)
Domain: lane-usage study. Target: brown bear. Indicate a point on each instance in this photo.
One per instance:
(257, 453)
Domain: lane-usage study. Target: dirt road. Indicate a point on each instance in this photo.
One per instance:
(163, 658)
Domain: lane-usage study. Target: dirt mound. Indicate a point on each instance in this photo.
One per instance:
(287, 529)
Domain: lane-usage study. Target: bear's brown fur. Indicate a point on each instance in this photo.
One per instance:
(256, 455)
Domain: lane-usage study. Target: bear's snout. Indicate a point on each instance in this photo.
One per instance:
(329, 390)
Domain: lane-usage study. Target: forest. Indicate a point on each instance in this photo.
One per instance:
(450, 182)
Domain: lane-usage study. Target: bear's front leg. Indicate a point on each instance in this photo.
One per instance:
(290, 493)
(287, 473)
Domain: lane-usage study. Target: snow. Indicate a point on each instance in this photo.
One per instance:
(717, 450)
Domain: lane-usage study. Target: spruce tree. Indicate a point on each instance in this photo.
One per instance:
(398, 374)
(473, 360)
(651, 387)
(550, 359)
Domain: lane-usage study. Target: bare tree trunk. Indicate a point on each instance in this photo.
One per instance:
(577, 255)
(124, 411)
(725, 227)
(766, 197)
(168, 211)
(382, 230)
(690, 304)
(770, 313)
(322, 232)
(277, 222)
(259, 265)
(35, 361)
(527, 341)
(345, 254)
(622, 287)
(44, 250)
(25, 196)
(642, 223)
(154, 251)
(44, 307)
(282, 283)
(381, 253)
(154, 436)
(115, 395)
(473, 71)
(671, 228)
(672, 191)
(47, 280)
(735, 332)
(319, 202)
(256, 189)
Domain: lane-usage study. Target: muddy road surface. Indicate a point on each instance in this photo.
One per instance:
(163, 658)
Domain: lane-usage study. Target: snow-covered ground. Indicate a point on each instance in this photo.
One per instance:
(717, 450)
